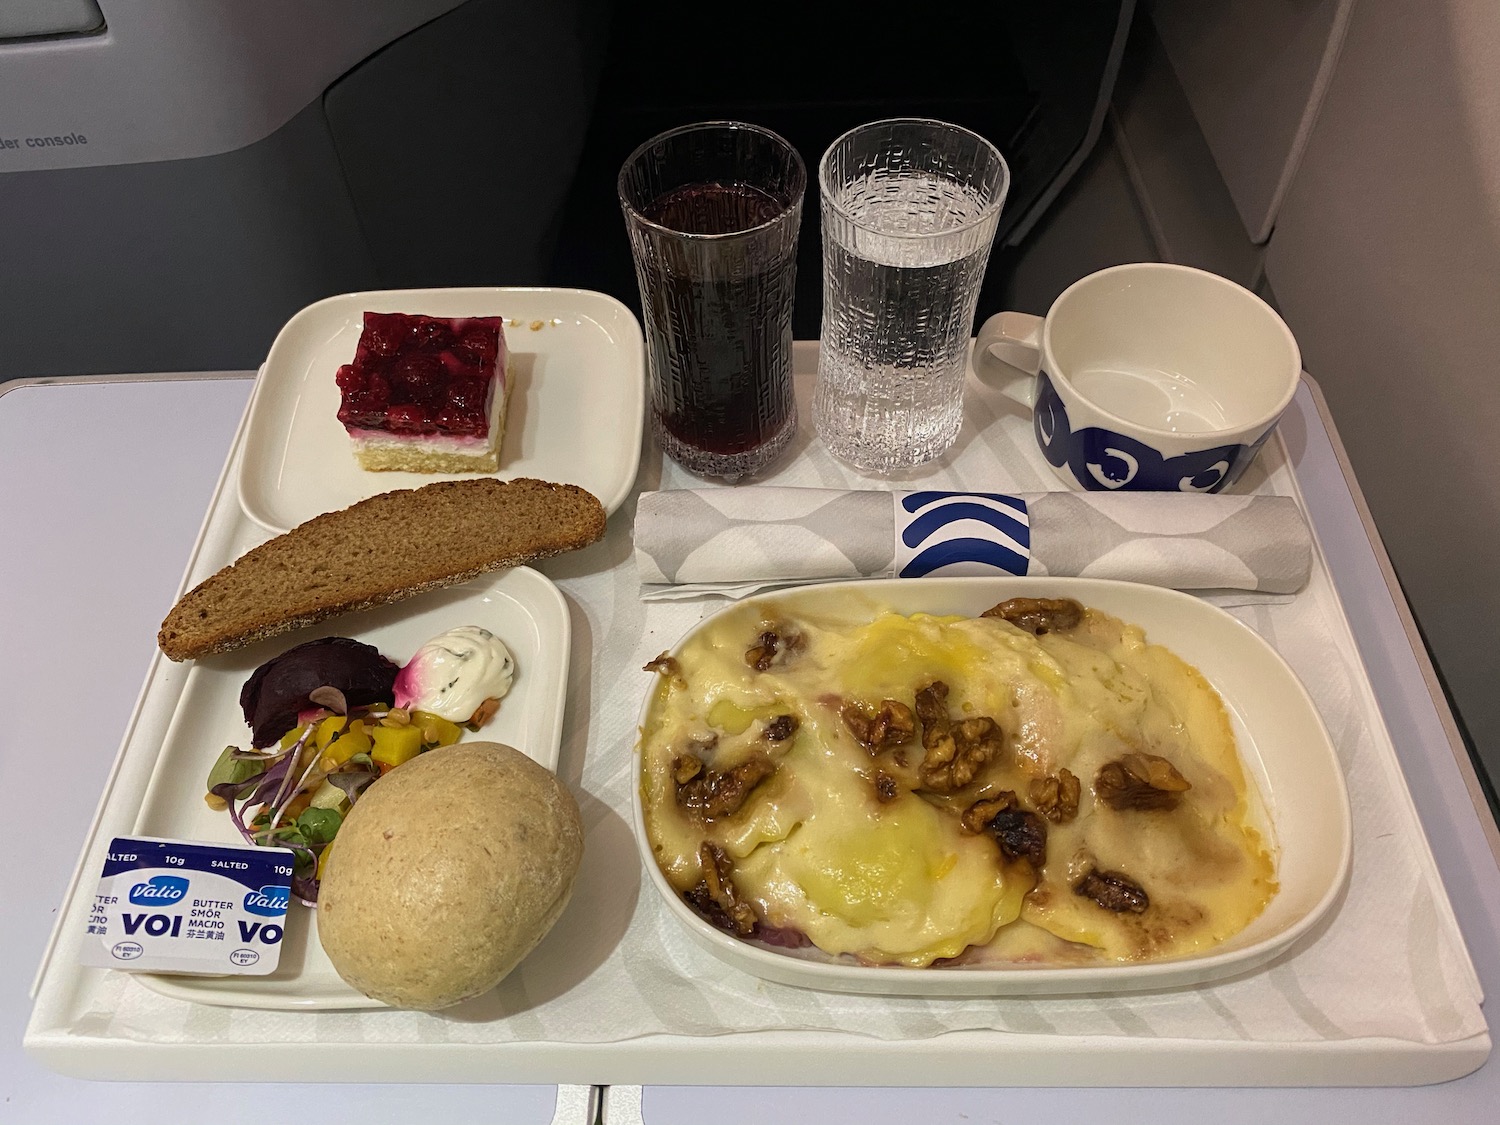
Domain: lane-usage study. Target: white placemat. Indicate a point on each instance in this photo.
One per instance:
(1389, 964)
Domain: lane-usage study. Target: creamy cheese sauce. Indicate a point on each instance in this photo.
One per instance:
(863, 848)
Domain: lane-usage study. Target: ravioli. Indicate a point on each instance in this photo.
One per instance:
(1037, 784)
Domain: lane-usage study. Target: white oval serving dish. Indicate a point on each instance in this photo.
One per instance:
(1285, 749)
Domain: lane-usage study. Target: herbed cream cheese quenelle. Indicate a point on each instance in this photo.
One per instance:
(1036, 785)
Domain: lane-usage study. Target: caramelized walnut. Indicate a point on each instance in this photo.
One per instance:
(1039, 615)
(891, 725)
(1056, 798)
(720, 793)
(685, 768)
(715, 897)
(937, 728)
(781, 728)
(981, 728)
(976, 818)
(1020, 834)
(760, 654)
(955, 752)
(771, 643)
(666, 664)
(1140, 781)
(667, 667)
(1113, 892)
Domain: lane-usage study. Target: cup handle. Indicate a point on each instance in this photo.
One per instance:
(1008, 353)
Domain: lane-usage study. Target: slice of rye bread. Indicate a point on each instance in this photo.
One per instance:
(380, 550)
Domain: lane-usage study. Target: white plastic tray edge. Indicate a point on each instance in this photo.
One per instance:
(1389, 759)
(776, 1058)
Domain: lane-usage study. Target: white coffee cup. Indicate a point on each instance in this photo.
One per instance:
(1148, 377)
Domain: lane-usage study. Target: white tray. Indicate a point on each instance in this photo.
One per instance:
(614, 995)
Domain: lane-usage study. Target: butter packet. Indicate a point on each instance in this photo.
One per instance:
(172, 906)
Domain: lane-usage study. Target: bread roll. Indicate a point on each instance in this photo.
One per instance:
(446, 873)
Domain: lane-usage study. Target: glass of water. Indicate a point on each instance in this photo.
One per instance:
(909, 210)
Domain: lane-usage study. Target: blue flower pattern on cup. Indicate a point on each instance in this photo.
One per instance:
(1102, 460)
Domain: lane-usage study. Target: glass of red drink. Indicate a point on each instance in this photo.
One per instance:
(713, 211)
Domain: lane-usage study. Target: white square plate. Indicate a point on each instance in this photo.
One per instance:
(577, 406)
(1282, 743)
(521, 607)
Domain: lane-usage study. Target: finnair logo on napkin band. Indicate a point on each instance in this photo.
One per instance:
(961, 534)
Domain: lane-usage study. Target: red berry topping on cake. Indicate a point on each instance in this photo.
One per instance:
(478, 347)
(385, 333)
(417, 375)
(378, 387)
(468, 394)
(409, 418)
(431, 334)
(455, 421)
(467, 407)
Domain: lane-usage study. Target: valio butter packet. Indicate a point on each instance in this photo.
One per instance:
(171, 906)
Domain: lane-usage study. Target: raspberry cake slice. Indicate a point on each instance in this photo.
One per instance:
(426, 394)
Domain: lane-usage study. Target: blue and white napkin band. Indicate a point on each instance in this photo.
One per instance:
(732, 541)
(960, 533)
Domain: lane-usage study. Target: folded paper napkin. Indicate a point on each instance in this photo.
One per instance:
(732, 541)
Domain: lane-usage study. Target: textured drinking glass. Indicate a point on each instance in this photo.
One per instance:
(713, 212)
(909, 213)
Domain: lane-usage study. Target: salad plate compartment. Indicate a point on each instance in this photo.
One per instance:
(521, 607)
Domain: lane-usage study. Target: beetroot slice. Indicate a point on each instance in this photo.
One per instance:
(278, 690)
